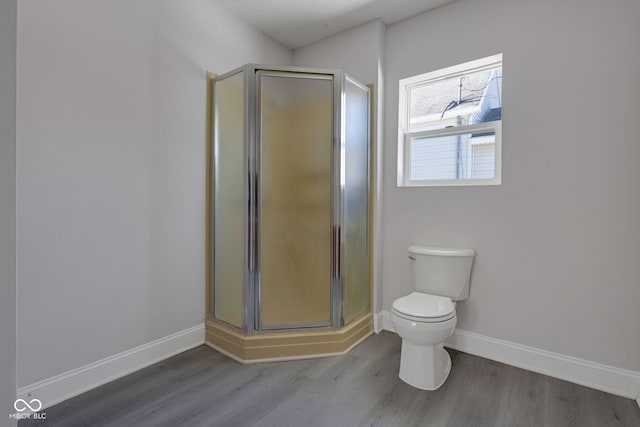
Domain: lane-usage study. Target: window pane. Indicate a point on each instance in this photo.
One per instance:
(433, 158)
(464, 156)
(471, 98)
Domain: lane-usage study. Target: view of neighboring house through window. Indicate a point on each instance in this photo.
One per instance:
(450, 125)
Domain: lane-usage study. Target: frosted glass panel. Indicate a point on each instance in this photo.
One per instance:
(356, 202)
(229, 201)
(295, 200)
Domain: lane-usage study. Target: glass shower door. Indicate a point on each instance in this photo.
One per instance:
(229, 200)
(295, 115)
(355, 210)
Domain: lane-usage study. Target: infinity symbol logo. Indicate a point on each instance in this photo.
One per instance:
(21, 405)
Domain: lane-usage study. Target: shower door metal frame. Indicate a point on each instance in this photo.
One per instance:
(335, 309)
(252, 176)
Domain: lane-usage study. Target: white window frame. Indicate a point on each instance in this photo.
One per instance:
(405, 137)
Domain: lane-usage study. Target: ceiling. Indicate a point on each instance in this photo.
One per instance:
(296, 23)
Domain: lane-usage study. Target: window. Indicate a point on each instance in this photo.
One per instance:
(449, 126)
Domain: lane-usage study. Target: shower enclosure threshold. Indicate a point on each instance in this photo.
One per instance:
(281, 345)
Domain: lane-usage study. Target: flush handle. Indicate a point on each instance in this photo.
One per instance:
(412, 257)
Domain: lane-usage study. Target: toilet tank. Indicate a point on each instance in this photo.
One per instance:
(442, 271)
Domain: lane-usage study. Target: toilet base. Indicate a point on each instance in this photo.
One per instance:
(424, 367)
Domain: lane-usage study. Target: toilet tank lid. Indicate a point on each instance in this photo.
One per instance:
(430, 250)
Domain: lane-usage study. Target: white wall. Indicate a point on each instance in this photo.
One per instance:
(111, 171)
(359, 52)
(8, 15)
(558, 242)
(355, 51)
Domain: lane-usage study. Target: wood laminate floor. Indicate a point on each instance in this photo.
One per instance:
(201, 387)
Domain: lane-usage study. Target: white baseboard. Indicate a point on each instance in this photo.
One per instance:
(621, 382)
(72, 383)
(386, 322)
(377, 323)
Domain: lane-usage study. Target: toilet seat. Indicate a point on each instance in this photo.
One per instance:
(421, 307)
(423, 319)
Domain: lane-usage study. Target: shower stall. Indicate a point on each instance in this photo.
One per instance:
(289, 179)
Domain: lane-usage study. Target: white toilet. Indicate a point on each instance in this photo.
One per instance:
(425, 318)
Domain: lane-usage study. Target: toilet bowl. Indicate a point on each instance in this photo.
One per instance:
(424, 362)
(425, 318)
